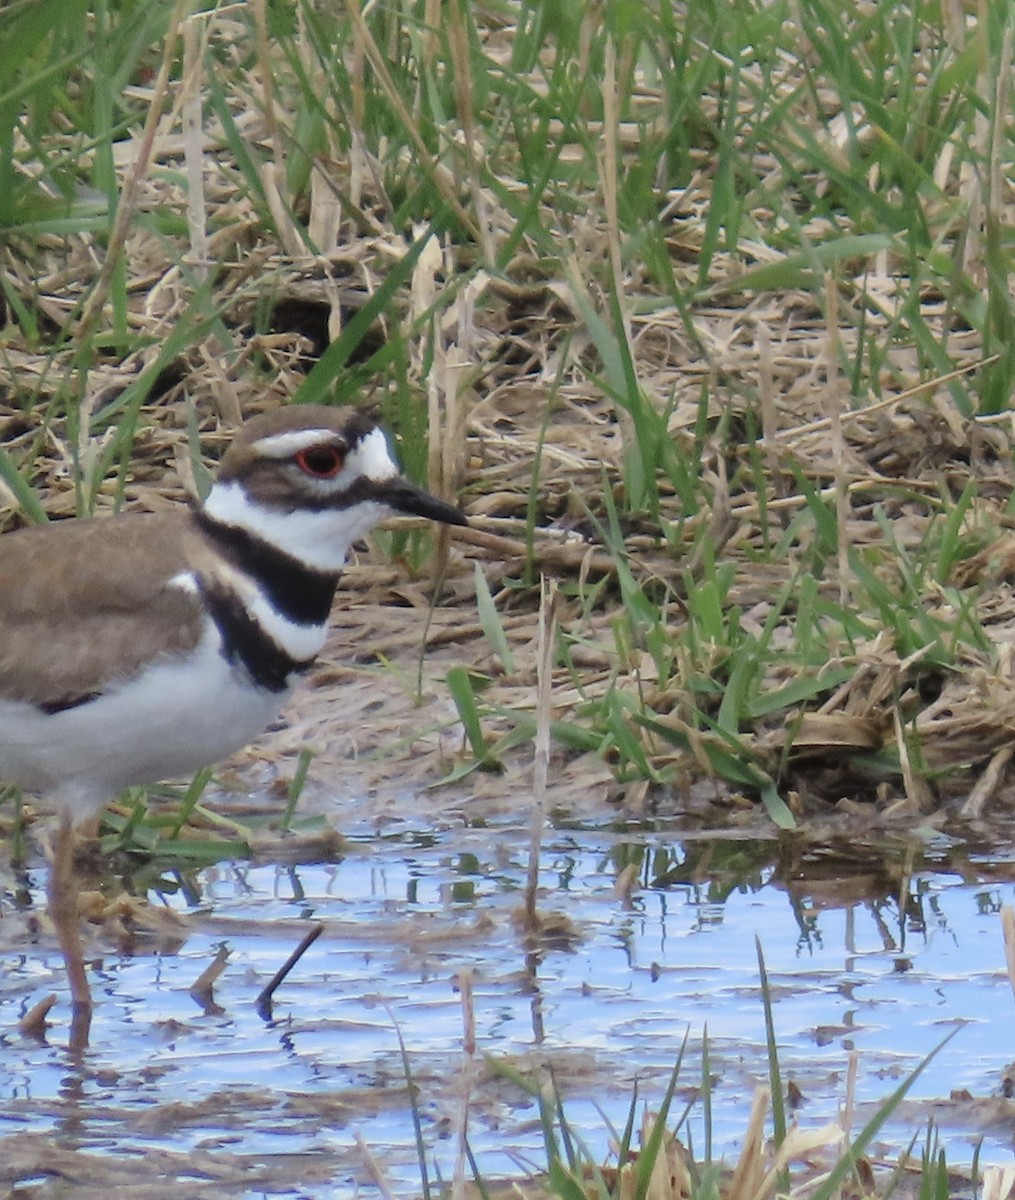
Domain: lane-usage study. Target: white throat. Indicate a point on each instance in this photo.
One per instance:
(320, 540)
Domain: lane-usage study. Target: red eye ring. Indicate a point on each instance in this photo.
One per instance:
(321, 462)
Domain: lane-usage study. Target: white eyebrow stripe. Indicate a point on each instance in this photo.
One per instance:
(285, 445)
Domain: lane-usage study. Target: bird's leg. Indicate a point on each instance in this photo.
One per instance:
(63, 911)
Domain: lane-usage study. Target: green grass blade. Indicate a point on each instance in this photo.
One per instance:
(805, 270)
(460, 684)
(23, 492)
(490, 620)
(830, 1186)
(323, 374)
(772, 1044)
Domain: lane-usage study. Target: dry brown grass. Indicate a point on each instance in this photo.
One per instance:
(752, 386)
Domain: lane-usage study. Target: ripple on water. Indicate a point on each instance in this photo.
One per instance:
(607, 1000)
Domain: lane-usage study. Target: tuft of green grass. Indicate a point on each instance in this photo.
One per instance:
(652, 1156)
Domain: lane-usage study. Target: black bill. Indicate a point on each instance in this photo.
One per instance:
(406, 497)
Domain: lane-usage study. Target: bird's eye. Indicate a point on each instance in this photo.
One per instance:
(321, 462)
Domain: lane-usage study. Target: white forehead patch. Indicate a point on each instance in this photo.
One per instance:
(372, 457)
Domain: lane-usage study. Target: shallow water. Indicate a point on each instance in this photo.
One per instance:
(604, 1001)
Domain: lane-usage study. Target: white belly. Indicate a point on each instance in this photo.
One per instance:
(176, 718)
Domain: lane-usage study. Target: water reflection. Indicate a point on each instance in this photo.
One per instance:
(879, 949)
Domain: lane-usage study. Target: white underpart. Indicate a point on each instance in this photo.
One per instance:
(320, 540)
(180, 715)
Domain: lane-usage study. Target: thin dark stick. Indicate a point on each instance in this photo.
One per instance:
(264, 999)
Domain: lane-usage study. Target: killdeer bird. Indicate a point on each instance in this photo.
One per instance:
(145, 646)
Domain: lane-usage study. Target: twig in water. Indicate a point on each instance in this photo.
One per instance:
(203, 986)
(372, 1166)
(34, 1024)
(264, 999)
(458, 1189)
(1008, 933)
(541, 761)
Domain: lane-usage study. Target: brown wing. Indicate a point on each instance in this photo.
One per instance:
(74, 617)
